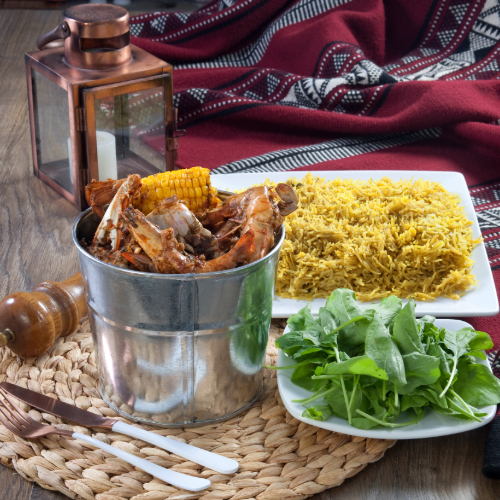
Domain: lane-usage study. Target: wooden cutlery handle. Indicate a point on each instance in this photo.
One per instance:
(31, 322)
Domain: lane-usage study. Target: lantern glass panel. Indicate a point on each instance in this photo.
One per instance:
(130, 133)
(52, 131)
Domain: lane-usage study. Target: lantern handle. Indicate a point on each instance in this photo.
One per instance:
(60, 32)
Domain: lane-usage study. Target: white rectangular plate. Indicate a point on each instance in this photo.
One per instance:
(433, 424)
(480, 300)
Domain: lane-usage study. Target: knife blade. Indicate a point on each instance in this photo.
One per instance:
(58, 408)
(84, 418)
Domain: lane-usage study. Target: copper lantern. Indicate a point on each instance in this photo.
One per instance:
(99, 107)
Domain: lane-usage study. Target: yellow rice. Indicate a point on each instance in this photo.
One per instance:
(407, 238)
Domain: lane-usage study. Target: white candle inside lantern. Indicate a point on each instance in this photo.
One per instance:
(106, 155)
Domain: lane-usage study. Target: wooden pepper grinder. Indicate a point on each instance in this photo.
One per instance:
(31, 322)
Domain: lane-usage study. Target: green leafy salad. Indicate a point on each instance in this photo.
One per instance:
(369, 365)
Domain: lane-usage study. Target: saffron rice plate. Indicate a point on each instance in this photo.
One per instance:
(479, 300)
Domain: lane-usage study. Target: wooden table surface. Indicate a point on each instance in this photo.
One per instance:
(36, 245)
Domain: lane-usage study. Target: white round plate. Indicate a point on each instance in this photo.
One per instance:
(433, 424)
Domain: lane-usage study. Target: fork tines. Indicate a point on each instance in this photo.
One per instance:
(11, 416)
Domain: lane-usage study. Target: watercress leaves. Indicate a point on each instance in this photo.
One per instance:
(301, 376)
(457, 343)
(405, 330)
(413, 401)
(304, 321)
(367, 365)
(420, 370)
(380, 347)
(319, 412)
(388, 309)
(476, 385)
(304, 337)
(327, 322)
(360, 365)
(481, 342)
(344, 307)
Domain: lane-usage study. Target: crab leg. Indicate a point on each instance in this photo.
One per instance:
(108, 231)
(167, 253)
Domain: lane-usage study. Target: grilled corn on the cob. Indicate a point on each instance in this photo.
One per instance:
(192, 186)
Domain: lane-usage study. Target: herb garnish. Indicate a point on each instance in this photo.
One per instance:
(369, 365)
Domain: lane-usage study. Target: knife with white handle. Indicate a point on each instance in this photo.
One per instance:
(208, 459)
(84, 418)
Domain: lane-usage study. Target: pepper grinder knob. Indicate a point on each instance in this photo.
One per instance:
(31, 322)
(6, 337)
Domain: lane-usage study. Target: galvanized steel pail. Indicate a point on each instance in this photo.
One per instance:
(178, 349)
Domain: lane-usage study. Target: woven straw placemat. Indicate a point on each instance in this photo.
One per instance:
(280, 457)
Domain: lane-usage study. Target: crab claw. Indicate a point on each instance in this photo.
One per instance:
(289, 201)
(108, 231)
(100, 193)
(143, 263)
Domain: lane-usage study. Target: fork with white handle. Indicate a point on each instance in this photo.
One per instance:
(208, 459)
(21, 424)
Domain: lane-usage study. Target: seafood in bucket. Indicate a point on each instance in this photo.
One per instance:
(181, 226)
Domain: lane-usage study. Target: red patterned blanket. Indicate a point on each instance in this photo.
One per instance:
(268, 85)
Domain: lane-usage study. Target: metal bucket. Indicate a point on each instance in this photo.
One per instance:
(178, 350)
